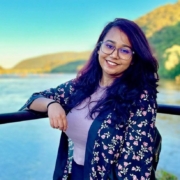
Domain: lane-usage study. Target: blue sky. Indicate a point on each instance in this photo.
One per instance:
(30, 28)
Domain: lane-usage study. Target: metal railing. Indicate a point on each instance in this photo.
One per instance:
(31, 115)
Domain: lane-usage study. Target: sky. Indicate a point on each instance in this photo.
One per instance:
(30, 28)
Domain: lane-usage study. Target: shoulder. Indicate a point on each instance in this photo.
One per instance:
(145, 106)
(67, 86)
(146, 98)
(71, 82)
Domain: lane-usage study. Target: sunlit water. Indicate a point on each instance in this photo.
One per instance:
(28, 149)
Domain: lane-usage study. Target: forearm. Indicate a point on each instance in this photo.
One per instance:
(39, 100)
(40, 104)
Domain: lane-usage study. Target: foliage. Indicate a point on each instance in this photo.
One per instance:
(162, 27)
(163, 175)
(161, 41)
(69, 67)
(167, 15)
(50, 61)
(166, 37)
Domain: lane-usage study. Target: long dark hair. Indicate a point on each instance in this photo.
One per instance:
(125, 90)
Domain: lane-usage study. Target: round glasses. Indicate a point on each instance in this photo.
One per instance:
(123, 52)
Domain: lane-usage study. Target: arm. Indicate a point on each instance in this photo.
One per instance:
(136, 157)
(56, 111)
(60, 94)
(40, 104)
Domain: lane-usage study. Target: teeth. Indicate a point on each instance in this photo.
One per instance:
(111, 63)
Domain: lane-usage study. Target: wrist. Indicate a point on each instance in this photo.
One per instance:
(52, 102)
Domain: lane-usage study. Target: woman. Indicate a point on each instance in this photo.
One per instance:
(108, 111)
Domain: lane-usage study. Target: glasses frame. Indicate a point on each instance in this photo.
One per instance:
(101, 42)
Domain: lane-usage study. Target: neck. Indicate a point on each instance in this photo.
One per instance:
(105, 81)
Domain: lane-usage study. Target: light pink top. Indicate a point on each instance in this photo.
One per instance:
(79, 123)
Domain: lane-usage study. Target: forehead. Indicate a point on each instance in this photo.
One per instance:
(117, 36)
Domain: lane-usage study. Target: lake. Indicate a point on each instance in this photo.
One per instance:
(28, 149)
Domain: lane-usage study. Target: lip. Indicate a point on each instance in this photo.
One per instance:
(111, 63)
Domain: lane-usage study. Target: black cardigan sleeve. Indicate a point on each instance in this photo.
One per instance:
(61, 94)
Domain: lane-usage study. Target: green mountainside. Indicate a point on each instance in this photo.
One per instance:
(167, 15)
(71, 67)
(50, 61)
(166, 43)
(162, 27)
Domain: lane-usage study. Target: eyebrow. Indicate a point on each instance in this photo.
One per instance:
(124, 45)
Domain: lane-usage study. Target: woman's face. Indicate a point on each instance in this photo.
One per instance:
(113, 65)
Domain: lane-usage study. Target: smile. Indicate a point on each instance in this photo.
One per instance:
(111, 63)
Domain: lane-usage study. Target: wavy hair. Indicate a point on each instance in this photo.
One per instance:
(125, 90)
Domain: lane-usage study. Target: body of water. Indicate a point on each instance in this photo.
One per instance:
(28, 149)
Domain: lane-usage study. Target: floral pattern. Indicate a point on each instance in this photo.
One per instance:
(120, 151)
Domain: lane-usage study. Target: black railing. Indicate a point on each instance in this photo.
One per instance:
(31, 115)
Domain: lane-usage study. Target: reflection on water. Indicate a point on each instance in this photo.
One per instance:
(169, 127)
(169, 85)
(169, 92)
(28, 149)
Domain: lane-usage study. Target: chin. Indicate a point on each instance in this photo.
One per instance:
(114, 75)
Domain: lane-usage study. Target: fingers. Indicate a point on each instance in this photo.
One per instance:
(59, 122)
(64, 122)
(57, 117)
(53, 122)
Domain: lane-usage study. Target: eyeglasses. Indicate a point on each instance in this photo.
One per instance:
(123, 52)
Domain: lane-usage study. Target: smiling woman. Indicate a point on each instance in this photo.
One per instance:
(107, 113)
(114, 61)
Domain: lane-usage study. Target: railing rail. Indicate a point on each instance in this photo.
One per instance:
(168, 109)
(31, 115)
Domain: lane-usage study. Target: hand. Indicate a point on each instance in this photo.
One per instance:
(57, 116)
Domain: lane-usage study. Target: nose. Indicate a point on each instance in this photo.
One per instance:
(114, 54)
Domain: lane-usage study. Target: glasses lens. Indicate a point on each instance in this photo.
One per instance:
(125, 53)
(107, 47)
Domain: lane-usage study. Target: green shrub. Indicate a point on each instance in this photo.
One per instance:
(163, 175)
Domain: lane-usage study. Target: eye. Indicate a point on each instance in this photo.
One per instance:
(109, 46)
(125, 51)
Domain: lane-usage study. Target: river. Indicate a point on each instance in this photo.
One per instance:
(28, 149)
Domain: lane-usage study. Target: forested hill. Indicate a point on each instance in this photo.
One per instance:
(162, 27)
(48, 62)
(167, 15)
(51, 60)
(166, 43)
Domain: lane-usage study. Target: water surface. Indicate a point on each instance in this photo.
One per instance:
(28, 149)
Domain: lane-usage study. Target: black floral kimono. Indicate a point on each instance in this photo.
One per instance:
(113, 151)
